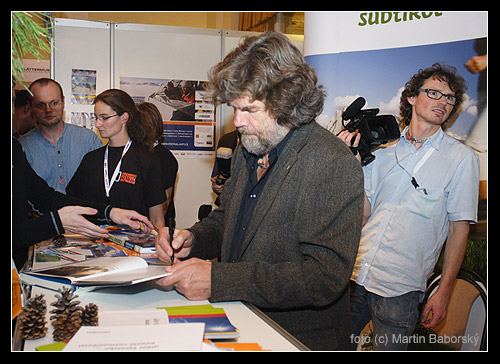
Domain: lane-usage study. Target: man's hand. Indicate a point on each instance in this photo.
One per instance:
(72, 219)
(191, 278)
(182, 243)
(131, 218)
(351, 140)
(215, 187)
(454, 252)
(437, 304)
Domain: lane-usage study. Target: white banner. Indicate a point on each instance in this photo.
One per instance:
(334, 32)
(373, 55)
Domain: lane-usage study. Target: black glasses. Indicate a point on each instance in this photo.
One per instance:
(436, 95)
(102, 118)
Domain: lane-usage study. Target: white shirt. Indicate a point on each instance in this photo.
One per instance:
(403, 237)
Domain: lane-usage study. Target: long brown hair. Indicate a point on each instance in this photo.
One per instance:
(152, 121)
(121, 103)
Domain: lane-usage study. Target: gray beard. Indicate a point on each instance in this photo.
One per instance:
(261, 145)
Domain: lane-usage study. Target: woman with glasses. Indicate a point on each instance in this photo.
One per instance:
(124, 173)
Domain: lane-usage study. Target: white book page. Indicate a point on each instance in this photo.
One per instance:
(94, 267)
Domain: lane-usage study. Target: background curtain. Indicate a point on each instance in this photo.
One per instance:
(256, 22)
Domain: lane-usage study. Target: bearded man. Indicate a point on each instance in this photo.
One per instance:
(288, 227)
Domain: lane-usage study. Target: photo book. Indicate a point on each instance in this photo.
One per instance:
(95, 273)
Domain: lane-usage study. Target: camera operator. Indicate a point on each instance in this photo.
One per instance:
(220, 175)
(419, 193)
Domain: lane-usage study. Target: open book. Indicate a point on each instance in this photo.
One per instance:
(93, 273)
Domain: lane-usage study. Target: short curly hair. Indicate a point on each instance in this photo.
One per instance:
(269, 68)
(439, 71)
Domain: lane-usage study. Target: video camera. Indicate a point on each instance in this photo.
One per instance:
(375, 129)
(224, 156)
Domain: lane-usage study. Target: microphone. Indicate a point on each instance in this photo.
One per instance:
(224, 156)
(353, 108)
(224, 152)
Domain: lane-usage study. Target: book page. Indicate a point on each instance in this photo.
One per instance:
(124, 277)
(95, 267)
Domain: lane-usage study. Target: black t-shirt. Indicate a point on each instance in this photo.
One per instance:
(138, 186)
(169, 168)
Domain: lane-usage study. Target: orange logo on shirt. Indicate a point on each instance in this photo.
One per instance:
(128, 178)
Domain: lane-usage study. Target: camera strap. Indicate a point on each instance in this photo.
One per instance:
(423, 160)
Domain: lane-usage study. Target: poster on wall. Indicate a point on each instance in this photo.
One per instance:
(84, 119)
(188, 118)
(35, 69)
(83, 86)
(373, 55)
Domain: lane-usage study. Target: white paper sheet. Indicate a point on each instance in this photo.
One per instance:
(174, 337)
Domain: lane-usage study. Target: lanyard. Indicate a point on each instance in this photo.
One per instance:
(423, 160)
(107, 183)
(416, 168)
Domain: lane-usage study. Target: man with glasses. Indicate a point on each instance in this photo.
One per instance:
(54, 148)
(419, 193)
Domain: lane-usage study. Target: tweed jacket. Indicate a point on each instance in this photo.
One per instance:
(301, 243)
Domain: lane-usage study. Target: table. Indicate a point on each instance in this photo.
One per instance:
(254, 326)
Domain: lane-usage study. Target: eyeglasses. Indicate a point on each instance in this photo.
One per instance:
(43, 105)
(101, 117)
(436, 95)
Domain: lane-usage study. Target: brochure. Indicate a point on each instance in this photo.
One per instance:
(138, 241)
(217, 324)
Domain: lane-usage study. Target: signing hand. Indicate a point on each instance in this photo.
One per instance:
(182, 243)
(191, 278)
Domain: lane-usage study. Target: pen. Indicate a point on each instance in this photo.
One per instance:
(171, 228)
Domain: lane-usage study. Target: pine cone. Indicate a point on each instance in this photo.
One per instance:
(67, 317)
(32, 320)
(66, 302)
(90, 315)
(66, 325)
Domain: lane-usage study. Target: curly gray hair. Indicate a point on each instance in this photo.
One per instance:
(269, 68)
